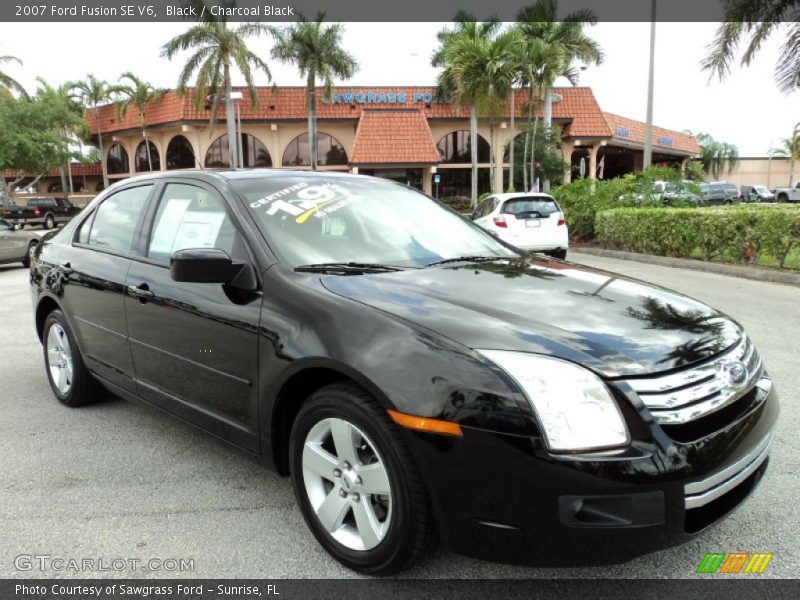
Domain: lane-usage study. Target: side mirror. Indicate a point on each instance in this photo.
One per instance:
(203, 265)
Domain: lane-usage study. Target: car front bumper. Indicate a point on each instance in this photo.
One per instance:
(505, 498)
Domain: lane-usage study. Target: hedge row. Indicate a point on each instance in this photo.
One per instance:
(742, 233)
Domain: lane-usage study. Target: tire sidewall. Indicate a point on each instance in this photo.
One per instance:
(394, 545)
(31, 248)
(57, 317)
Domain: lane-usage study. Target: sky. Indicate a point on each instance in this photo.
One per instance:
(745, 109)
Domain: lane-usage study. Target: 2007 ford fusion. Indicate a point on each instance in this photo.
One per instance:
(416, 377)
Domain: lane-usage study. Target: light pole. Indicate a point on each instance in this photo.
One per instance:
(769, 164)
(237, 97)
(648, 133)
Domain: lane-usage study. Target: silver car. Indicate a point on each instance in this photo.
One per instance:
(16, 245)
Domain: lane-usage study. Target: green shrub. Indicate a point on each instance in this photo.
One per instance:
(741, 233)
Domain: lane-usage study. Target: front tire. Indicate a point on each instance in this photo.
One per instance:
(69, 379)
(356, 482)
(49, 222)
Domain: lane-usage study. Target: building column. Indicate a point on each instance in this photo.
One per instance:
(566, 156)
(684, 162)
(427, 180)
(593, 160)
(354, 170)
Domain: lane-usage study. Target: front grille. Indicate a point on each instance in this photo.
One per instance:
(700, 390)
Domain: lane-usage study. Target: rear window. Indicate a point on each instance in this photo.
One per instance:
(530, 206)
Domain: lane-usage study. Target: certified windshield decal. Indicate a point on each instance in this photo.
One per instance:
(304, 201)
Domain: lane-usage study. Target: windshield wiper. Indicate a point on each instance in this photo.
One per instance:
(347, 268)
(468, 259)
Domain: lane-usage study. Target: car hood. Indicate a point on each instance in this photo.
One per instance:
(609, 323)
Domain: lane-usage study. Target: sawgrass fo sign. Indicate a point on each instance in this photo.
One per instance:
(380, 97)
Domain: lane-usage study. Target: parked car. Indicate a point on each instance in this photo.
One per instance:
(757, 193)
(47, 212)
(720, 192)
(682, 193)
(413, 375)
(790, 194)
(532, 222)
(16, 245)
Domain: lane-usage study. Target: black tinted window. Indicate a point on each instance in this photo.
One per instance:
(190, 217)
(543, 206)
(114, 225)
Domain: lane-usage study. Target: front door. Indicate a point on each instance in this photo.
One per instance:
(195, 345)
(13, 246)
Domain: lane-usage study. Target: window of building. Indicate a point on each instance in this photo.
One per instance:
(254, 153)
(142, 162)
(55, 188)
(117, 160)
(455, 148)
(115, 221)
(329, 151)
(180, 154)
(457, 183)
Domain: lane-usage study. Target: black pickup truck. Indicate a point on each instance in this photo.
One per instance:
(47, 212)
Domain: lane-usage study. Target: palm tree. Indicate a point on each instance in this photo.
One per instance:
(790, 148)
(137, 93)
(92, 93)
(462, 78)
(716, 156)
(7, 83)
(316, 51)
(758, 20)
(540, 23)
(217, 49)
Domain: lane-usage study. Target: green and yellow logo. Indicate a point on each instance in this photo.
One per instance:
(734, 562)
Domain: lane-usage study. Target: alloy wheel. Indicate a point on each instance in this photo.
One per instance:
(347, 484)
(59, 358)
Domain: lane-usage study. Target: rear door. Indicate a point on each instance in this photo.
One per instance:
(12, 245)
(95, 266)
(532, 220)
(195, 345)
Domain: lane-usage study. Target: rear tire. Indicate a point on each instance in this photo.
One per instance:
(69, 379)
(374, 533)
(49, 222)
(26, 260)
(559, 254)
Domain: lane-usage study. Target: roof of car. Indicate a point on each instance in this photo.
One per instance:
(511, 196)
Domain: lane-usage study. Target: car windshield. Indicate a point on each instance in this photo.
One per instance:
(532, 204)
(360, 220)
(761, 189)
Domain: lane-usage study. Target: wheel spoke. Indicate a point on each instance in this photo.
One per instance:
(367, 523)
(62, 380)
(345, 439)
(318, 460)
(374, 478)
(332, 511)
(53, 357)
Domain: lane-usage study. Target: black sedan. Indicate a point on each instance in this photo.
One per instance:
(413, 375)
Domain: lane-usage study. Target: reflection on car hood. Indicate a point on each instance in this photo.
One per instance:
(614, 325)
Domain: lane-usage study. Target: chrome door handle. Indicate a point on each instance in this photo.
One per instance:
(142, 292)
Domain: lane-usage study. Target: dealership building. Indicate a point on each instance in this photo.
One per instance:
(403, 133)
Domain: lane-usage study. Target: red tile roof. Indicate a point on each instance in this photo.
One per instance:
(78, 170)
(629, 130)
(578, 105)
(400, 136)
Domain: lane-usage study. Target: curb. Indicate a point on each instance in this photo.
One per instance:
(742, 271)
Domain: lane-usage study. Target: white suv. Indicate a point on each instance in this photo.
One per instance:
(529, 221)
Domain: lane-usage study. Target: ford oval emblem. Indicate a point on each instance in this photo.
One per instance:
(735, 374)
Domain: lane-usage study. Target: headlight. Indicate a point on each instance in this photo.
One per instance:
(574, 406)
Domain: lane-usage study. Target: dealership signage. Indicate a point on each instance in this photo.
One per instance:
(623, 132)
(664, 141)
(381, 97)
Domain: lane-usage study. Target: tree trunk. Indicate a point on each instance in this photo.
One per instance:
(63, 180)
(233, 144)
(103, 166)
(311, 90)
(491, 155)
(548, 122)
(533, 151)
(511, 148)
(69, 179)
(473, 150)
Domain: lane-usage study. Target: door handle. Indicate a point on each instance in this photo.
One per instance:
(141, 292)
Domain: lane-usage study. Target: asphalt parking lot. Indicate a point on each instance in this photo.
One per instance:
(115, 480)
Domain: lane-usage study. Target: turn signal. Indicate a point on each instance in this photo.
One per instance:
(425, 424)
(500, 221)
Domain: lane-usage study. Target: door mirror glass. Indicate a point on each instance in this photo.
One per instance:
(203, 265)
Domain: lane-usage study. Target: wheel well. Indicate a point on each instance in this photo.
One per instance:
(291, 397)
(46, 306)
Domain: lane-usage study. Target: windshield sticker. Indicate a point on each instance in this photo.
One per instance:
(304, 201)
